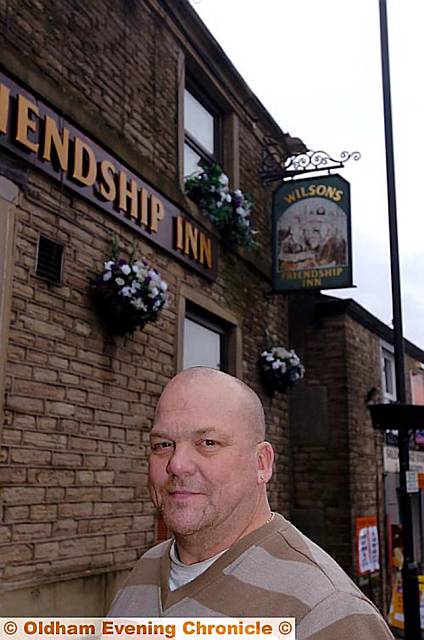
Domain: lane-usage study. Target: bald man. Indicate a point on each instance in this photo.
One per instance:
(229, 554)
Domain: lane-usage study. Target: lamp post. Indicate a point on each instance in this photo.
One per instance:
(411, 601)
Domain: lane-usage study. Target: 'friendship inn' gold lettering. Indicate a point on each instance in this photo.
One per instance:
(62, 151)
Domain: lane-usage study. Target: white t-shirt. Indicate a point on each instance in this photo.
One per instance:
(181, 573)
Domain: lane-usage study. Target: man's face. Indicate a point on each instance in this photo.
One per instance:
(203, 464)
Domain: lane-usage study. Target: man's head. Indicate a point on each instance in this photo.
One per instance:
(209, 463)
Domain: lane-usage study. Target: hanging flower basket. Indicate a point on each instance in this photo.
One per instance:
(228, 210)
(128, 294)
(280, 368)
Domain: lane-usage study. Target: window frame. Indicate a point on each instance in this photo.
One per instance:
(193, 75)
(209, 321)
(191, 301)
(193, 89)
(387, 352)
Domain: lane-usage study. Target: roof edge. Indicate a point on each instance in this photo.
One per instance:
(202, 40)
(329, 305)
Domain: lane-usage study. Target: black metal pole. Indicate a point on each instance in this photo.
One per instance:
(411, 597)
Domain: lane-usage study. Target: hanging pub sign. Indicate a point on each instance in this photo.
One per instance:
(312, 246)
(34, 132)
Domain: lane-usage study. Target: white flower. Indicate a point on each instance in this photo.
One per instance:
(126, 292)
(135, 286)
(126, 269)
(154, 292)
(281, 353)
(120, 282)
(108, 265)
(135, 268)
(139, 304)
(238, 193)
(283, 367)
(277, 364)
(107, 276)
(219, 204)
(154, 275)
(163, 285)
(269, 357)
(241, 212)
(223, 179)
(264, 353)
(142, 274)
(228, 197)
(294, 361)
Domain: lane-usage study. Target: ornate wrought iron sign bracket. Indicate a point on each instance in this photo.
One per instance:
(277, 166)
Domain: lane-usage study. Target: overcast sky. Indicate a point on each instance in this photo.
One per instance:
(315, 65)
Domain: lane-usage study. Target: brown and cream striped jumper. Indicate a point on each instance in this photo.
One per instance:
(273, 571)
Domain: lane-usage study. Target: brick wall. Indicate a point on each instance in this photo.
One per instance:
(338, 473)
(79, 403)
(320, 461)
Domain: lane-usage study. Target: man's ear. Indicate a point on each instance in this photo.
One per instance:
(265, 459)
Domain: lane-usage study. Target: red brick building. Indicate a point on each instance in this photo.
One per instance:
(125, 89)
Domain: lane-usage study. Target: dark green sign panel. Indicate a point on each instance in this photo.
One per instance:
(311, 241)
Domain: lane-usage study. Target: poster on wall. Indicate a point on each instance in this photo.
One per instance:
(367, 545)
(312, 246)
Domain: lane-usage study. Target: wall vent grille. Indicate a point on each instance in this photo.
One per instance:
(49, 260)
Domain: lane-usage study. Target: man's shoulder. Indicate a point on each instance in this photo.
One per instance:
(158, 551)
(295, 571)
(283, 560)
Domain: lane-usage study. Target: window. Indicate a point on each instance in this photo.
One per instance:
(205, 340)
(201, 131)
(417, 387)
(208, 335)
(388, 385)
(388, 373)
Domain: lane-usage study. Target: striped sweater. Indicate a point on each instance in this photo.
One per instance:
(274, 571)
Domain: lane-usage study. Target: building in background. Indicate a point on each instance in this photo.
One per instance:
(343, 470)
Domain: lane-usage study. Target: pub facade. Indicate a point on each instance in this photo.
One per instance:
(104, 111)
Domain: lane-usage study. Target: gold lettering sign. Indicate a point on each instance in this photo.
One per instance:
(157, 213)
(144, 196)
(107, 188)
(60, 144)
(190, 240)
(193, 242)
(205, 256)
(25, 123)
(128, 193)
(4, 107)
(84, 163)
(31, 130)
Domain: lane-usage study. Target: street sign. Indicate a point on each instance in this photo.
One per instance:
(412, 485)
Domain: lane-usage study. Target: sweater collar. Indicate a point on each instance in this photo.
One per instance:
(169, 598)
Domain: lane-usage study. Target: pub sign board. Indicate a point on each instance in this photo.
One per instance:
(311, 237)
(46, 140)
